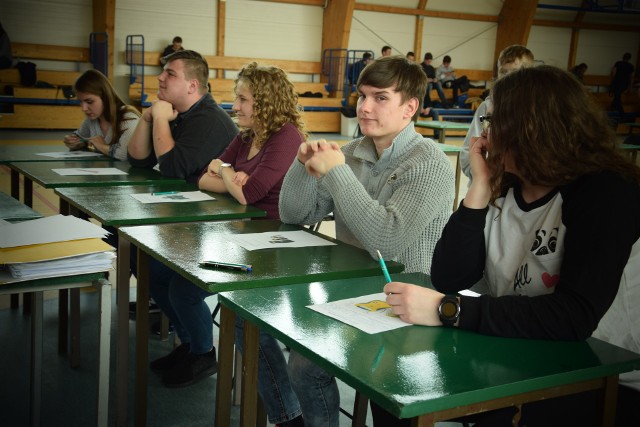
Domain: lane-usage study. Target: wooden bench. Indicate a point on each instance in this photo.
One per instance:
(41, 108)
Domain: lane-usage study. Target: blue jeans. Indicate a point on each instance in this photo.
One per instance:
(274, 388)
(178, 298)
(317, 391)
(438, 87)
(183, 303)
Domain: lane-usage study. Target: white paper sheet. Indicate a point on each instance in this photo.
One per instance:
(101, 261)
(369, 313)
(56, 228)
(70, 154)
(81, 264)
(177, 197)
(277, 239)
(89, 171)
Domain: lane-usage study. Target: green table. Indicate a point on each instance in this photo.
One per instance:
(433, 373)
(271, 267)
(12, 209)
(37, 287)
(631, 149)
(442, 126)
(114, 206)
(455, 150)
(43, 174)
(29, 153)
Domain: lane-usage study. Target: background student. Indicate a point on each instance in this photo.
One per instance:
(176, 45)
(391, 191)
(447, 76)
(550, 229)
(511, 58)
(110, 123)
(252, 169)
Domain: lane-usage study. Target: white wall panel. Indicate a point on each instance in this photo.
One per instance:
(550, 45)
(372, 30)
(470, 44)
(273, 30)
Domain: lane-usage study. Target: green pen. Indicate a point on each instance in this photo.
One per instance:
(163, 193)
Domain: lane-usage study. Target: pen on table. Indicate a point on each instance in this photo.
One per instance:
(227, 265)
(163, 193)
(378, 358)
(383, 266)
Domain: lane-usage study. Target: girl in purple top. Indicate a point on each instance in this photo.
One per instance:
(253, 166)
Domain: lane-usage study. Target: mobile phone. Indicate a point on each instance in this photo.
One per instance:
(81, 138)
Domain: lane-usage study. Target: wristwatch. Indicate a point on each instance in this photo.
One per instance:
(449, 310)
(223, 165)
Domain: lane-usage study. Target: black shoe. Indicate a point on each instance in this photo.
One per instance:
(191, 369)
(156, 326)
(170, 360)
(153, 307)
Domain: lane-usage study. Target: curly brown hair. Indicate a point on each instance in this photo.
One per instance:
(275, 102)
(552, 128)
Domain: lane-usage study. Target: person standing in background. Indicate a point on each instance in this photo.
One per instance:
(621, 81)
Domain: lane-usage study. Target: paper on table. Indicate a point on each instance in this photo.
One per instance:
(178, 197)
(277, 239)
(369, 313)
(89, 171)
(86, 263)
(56, 228)
(81, 264)
(70, 154)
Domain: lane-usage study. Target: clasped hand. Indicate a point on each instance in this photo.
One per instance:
(160, 110)
(319, 157)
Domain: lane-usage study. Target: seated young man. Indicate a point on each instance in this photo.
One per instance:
(390, 190)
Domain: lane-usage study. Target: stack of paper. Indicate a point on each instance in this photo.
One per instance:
(51, 247)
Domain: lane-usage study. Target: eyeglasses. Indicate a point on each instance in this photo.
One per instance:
(485, 121)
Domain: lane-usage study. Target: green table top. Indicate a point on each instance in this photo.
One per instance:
(28, 153)
(417, 369)
(114, 205)
(182, 246)
(42, 173)
(629, 147)
(450, 148)
(13, 210)
(438, 124)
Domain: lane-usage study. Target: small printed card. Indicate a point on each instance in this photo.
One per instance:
(173, 197)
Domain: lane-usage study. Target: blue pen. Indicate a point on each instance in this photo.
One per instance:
(163, 193)
(383, 266)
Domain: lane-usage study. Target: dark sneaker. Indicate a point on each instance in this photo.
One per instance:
(153, 308)
(191, 369)
(156, 326)
(170, 360)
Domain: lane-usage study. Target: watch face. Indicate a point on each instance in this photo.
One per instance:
(449, 309)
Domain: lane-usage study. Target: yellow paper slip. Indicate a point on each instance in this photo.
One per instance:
(57, 250)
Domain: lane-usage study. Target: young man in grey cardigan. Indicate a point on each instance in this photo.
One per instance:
(391, 190)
